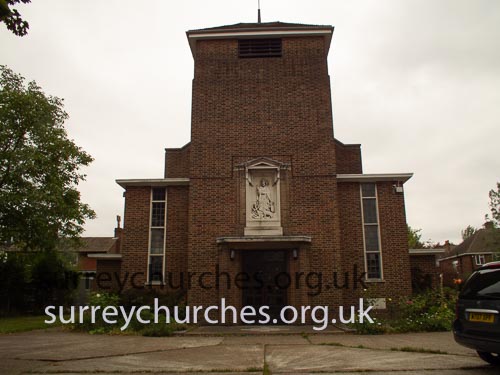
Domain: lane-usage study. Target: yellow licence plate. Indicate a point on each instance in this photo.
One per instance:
(482, 318)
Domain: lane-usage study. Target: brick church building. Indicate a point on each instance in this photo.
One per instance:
(264, 206)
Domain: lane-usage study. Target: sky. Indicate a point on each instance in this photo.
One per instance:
(416, 82)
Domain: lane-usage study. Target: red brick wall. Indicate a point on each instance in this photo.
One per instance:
(136, 233)
(427, 265)
(352, 245)
(107, 276)
(348, 158)
(177, 161)
(394, 242)
(394, 238)
(85, 263)
(176, 246)
(258, 107)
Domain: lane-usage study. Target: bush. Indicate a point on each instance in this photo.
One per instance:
(161, 330)
(378, 327)
(127, 301)
(30, 281)
(426, 312)
(14, 280)
(52, 280)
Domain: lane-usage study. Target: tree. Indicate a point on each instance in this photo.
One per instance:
(414, 238)
(39, 168)
(494, 206)
(12, 18)
(468, 232)
(30, 281)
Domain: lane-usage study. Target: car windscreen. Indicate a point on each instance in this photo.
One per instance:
(483, 284)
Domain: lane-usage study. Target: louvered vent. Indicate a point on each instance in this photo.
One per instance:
(259, 48)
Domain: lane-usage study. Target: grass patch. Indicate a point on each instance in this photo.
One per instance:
(267, 370)
(24, 323)
(332, 344)
(417, 350)
(345, 346)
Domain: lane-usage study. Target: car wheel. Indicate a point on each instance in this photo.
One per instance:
(491, 358)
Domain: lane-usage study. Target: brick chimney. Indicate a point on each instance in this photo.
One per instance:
(447, 246)
(118, 234)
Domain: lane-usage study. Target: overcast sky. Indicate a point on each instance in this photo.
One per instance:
(417, 83)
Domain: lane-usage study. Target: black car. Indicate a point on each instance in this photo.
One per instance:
(477, 323)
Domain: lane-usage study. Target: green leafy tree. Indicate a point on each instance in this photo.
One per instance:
(494, 206)
(12, 18)
(52, 279)
(414, 238)
(468, 232)
(13, 281)
(30, 281)
(39, 168)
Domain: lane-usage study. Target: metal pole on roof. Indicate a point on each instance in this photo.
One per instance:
(258, 13)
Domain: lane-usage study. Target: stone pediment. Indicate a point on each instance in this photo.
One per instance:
(264, 163)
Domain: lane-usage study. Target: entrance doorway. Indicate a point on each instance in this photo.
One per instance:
(265, 287)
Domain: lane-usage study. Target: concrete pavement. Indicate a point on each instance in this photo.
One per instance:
(63, 352)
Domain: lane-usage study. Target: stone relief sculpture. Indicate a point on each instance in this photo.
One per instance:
(262, 197)
(264, 206)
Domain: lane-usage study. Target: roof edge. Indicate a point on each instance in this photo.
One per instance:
(262, 31)
(374, 177)
(147, 182)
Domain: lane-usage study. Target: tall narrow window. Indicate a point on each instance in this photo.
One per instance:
(156, 256)
(371, 231)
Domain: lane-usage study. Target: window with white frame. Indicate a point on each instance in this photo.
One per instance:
(371, 231)
(156, 253)
(480, 260)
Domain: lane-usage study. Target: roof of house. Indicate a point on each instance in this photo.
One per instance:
(88, 245)
(485, 240)
(263, 25)
(426, 251)
(97, 245)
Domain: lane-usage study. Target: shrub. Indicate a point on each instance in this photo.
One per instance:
(127, 301)
(52, 280)
(426, 312)
(378, 327)
(13, 282)
(31, 280)
(161, 329)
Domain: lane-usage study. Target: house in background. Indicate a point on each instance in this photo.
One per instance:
(480, 248)
(105, 249)
(425, 271)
